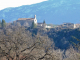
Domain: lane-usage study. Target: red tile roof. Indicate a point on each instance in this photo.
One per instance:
(26, 19)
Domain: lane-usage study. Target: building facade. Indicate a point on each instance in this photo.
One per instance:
(27, 21)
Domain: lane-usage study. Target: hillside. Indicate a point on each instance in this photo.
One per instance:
(21, 43)
(62, 37)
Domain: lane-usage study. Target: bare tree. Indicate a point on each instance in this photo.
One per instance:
(18, 44)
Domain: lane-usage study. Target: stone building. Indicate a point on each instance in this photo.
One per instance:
(66, 25)
(76, 25)
(27, 21)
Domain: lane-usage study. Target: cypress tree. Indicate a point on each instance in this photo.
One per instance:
(44, 22)
(33, 25)
(3, 23)
(0, 24)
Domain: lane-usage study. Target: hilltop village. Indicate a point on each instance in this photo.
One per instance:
(27, 22)
(31, 22)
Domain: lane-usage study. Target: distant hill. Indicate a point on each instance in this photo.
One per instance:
(53, 11)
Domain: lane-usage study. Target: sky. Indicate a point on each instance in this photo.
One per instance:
(15, 3)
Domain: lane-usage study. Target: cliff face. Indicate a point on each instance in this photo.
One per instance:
(53, 11)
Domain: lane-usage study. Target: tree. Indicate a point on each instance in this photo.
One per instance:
(3, 23)
(33, 25)
(20, 45)
(0, 23)
(78, 44)
(44, 22)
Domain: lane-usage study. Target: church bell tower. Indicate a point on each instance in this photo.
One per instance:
(35, 20)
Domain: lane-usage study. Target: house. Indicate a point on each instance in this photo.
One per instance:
(48, 26)
(67, 25)
(43, 25)
(76, 25)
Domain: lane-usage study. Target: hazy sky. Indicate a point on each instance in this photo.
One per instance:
(16, 3)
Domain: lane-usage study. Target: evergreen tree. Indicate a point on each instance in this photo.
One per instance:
(3, 23)
(0, 23)
(33, 25)
(44, 22)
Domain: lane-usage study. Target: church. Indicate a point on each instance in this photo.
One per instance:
(27, 21)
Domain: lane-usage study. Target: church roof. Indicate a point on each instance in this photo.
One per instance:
(25, 18)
